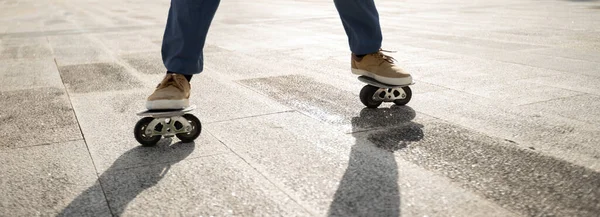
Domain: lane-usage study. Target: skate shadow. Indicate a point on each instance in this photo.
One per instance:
(369, 187)
(133, 172)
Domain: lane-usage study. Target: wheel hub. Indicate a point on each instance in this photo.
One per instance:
(389, 94)
(168, 126)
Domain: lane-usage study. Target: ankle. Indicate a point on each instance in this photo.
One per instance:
(358, 57)
(188, 77)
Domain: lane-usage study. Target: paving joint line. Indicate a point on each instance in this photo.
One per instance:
(81, 131)
(280, 188)
(41, 144)
(252, 116)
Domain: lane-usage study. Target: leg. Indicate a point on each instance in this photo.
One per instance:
(361, 23)
(185, 34)
(183, 42)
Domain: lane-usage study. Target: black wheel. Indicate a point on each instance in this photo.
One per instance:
(405, 100)
(366, 96)
(140, 132)
(196, 129)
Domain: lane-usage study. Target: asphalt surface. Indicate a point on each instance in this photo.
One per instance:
(503, 119)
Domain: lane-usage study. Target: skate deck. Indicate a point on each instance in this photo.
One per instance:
(371, 81)
(166, 112)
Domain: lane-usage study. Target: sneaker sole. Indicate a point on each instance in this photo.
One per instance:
(167, 104)
(385, 80)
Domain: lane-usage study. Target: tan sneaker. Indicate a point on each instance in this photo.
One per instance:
(381, 68)
(172, 93)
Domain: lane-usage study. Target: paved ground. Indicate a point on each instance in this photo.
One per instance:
(503, 121)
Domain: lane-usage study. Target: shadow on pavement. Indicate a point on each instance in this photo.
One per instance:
(133, 172)
(369, 186)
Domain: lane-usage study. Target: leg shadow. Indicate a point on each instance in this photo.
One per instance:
(369, 186)
(121, 187)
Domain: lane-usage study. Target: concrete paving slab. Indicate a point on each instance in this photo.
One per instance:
(36, 116)
(468, 41)
(439, 138)
(24, 27)
(334, 71)
(591, 55)
(540, 61)
(423, 192)
(581, 83)
(468, 73)
(481, 163)
(95, 77)
(244, 11)
(564, 139)
(229, 38)
(29, 73)
(438, 62)
(272, 87)
(58, 22)
(581, 107)
(105, 153)
(25, 51)
(504, 35)
(107, 136)
(315, 25)
(80, 55)
(554, 63)
(154, 33)
(219, 99)
(324, 66)
(521, 93)
(50, 180)
(150, 62)
(115, 108)
(78, 49)
(244, 67)
(145, 62)
(321, 101)
(368, 182)
(128, 42)
(289, 62)
(107, 16)
(215, 185)
(102, 116)
(486, 173)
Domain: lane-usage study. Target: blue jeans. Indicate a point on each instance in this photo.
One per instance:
(189, 21)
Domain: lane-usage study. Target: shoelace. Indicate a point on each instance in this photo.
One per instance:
(387, 58)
